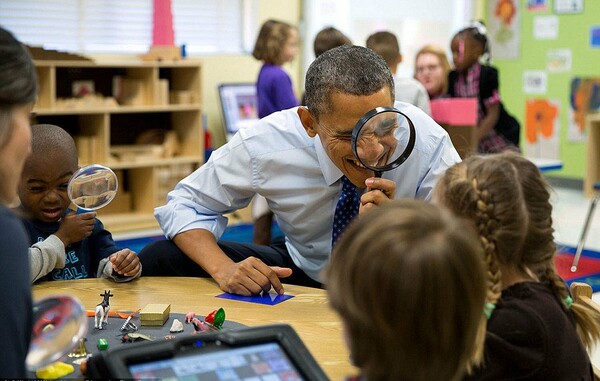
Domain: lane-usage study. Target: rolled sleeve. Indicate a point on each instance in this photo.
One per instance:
(221, 186)
(180, 215)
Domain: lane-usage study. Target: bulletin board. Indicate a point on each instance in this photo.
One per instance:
(548, 58)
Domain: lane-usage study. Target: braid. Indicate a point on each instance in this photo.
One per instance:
(486, 192)
(556, 284)
(485, 228)
(587, 319)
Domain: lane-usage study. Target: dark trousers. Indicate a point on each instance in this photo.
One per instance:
(164, 258)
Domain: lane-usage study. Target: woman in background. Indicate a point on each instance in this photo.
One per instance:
(431, 69)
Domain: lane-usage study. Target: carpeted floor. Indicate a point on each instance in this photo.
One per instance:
(588, 269)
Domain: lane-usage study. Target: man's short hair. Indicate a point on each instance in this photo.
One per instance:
(347, 69)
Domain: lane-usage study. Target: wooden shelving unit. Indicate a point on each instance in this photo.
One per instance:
(161, 96)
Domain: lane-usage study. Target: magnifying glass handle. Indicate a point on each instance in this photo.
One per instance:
(81, 211)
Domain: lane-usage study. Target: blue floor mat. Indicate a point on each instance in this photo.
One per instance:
(236, 233)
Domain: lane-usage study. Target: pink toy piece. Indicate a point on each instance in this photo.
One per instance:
(199, 325)
(189, 316)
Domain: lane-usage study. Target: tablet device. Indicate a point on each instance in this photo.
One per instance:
(239, 105)
(273, 352)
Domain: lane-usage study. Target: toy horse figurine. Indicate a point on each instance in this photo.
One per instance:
(102, 310)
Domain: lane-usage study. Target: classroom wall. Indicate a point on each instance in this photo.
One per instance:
(244, 68)
(573, 34)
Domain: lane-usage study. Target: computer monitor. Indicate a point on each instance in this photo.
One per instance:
(239, 106)
(272, 352)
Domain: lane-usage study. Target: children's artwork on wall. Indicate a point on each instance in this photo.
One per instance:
(568, 6)
(535, 82)
(545, 27)
(595, 37)
(558, 60)
(504, 28)
(537, 5)
(585, 98)
(542, 128)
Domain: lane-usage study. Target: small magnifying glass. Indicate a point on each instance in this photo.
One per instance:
(383, 139)
(59, 324)
(92, 187)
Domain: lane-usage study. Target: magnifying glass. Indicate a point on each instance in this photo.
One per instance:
(92, 187)
(383, 139)
(59, 323)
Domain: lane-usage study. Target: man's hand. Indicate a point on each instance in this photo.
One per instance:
(75, 227)
(251, 277)
(125, 262)
(379, 191)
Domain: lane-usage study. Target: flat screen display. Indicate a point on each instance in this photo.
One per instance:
(257, 362)
(239, 105)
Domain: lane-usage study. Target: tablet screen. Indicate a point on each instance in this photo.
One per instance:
(259, 362)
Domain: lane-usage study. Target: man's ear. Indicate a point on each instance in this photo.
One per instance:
(308, 121)
(399, 59)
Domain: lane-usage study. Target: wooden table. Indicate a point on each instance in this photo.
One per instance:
(308, 311)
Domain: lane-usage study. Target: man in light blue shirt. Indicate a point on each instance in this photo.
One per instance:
(295, 159)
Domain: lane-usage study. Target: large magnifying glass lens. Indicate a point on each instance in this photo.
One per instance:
(383, 139)
(60, 322)
(92, 187)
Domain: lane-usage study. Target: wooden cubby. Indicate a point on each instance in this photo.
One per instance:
(164, 96)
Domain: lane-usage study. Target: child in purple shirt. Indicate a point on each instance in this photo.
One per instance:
(276, 44)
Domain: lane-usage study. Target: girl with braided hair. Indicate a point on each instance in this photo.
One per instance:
(532, 323)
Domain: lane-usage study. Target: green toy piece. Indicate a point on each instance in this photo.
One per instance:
(216, 318)
(102, 344)
(219, 318)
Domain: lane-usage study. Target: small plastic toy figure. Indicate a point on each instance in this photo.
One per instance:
(129, 325)
(212, 321)
(131, 337)
(102, 310)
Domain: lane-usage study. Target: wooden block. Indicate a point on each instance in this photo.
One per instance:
(132, 92)
(162, 53)
(155, 314)
(82, 143)
(181, 97)
(163, 92)
(137, 152)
